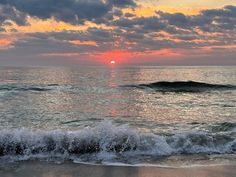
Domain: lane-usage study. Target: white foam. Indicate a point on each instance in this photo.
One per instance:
(107, 143)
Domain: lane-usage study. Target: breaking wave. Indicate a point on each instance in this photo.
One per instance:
(110, 139)
(184, 86)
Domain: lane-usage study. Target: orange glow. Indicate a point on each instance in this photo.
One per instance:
(116, 55)
(123, 57)
(6, 43)
(78, 42)
(50, 25)
(116, 58)
(145, 12)
(230, 47)
(149, 11)
(184, 10)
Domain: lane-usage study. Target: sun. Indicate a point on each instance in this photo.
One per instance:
(112, 62)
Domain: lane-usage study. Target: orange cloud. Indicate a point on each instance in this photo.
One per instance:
(6, 43)
(148, 11)
(163, 52)
(49, 25)
(209, 48)
(141, 11)
(78, 42)
(184, 10)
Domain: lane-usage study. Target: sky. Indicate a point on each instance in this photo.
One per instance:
(131, 32)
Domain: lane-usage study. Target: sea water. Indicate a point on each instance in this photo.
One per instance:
(127, 115)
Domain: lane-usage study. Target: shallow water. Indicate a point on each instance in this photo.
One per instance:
(168, 111)
(47, 169)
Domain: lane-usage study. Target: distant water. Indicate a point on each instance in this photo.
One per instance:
(117, 115)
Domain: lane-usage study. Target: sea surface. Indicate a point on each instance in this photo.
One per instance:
(118, 115)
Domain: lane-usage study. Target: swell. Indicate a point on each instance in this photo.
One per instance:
(184, 86)
(223, 127)
(14, 87)
(109, 138)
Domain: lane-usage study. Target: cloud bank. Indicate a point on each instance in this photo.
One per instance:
(209, 34)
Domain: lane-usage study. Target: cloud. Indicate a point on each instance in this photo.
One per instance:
(122, 3)
(71, 11)
(6, 43)
(10, 13)
(2, 29)
(116, 30)
(212, 20)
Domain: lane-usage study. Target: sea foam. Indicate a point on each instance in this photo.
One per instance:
(109, 140)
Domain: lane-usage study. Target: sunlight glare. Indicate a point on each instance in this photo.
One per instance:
(112, 62)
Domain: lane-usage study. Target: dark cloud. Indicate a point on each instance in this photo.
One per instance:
(10, 13)
(148, 23)
(187, 37)
(117, 13)
(192, 30)
(151, 23)
(222, 19)
(104, 11)
(213, 20)
(71, 11)
(227, 11)
(127, 15)
(2, 29)
(124, 22)
(122, 3)
(177, 19)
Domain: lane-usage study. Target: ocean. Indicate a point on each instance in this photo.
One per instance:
(118, 115)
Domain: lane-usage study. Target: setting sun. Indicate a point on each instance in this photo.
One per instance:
(112, 62)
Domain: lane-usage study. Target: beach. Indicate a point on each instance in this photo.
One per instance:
(48, 169)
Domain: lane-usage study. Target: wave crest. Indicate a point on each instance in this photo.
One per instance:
(109, 138)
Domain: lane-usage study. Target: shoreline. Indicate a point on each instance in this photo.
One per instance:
(69, 169)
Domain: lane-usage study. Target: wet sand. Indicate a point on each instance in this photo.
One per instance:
(47, 169)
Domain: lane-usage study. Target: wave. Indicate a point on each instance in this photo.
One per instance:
(26, 88)
(109, 138)
(223, 127)
(184, 86)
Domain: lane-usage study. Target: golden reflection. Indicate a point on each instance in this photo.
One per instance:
(113, 75)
